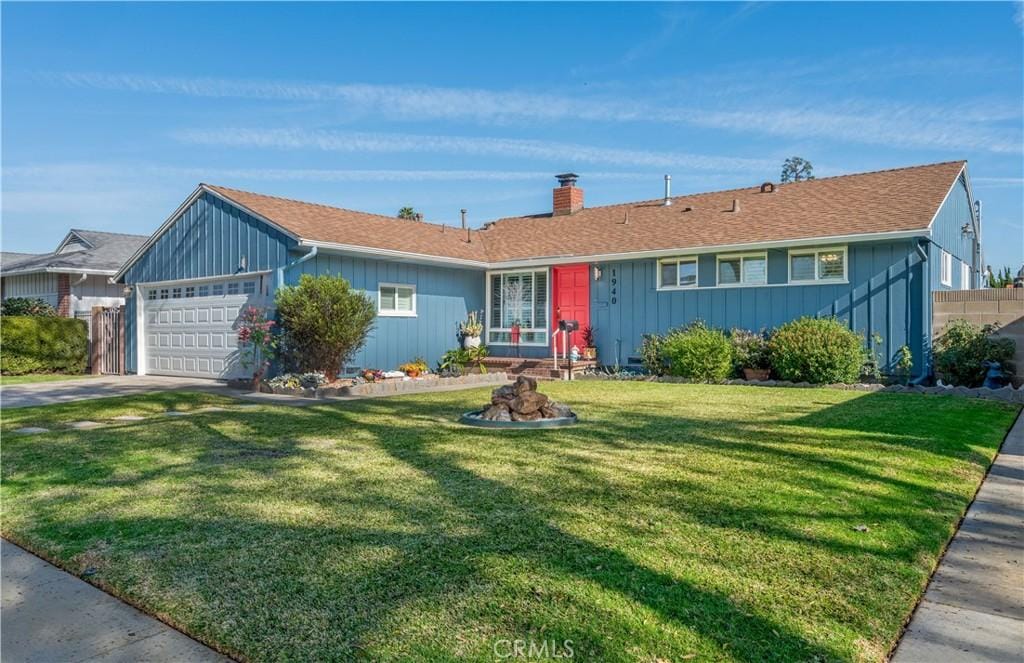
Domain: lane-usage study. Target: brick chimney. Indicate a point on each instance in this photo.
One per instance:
(567, 197)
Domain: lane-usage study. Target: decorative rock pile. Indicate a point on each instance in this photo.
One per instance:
(520, 401)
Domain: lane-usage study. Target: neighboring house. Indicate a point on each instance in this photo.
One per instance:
(867, 248)
(76, 276)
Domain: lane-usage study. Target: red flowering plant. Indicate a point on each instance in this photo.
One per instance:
(257, 341)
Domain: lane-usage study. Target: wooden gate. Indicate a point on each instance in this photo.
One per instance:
(108, 340)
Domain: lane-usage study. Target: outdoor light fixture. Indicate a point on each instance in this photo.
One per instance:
(597, 272)
(127, 291)
(967, 230)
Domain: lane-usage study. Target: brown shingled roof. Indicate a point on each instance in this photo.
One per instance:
(897, 200)
(342, 226)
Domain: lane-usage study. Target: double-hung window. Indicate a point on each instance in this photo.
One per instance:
(396, 300)
(676, 273)
(518, 299)
(743, 269)
(817, 265)
(946, 274)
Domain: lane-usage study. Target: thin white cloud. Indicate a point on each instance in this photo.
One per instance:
(863, 121)
(95, 173)
(357, 142)
(997, 182)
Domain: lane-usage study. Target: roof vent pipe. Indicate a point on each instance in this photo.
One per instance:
(668, 191)
(463, 213)
(735, 205)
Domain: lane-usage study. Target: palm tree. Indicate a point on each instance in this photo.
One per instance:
(407, 213)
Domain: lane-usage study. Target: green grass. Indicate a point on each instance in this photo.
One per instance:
(676, 522)
(8, 380)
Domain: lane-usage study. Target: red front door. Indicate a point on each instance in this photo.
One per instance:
(570, 300)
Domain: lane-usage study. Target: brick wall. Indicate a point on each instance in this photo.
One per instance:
(64, 295)
(1004, 306)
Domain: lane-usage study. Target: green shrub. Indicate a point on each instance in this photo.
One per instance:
(324, 322)
(650, 354)
(31, 344)
(749, 350)
(818, 350)
(963, 348)
(698, 353)
(27, 306)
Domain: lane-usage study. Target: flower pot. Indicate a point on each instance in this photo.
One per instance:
(413, 374)
(470, 342)
(590, 353)
(755, 373)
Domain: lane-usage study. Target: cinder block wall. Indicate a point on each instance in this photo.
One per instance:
(1004, 307)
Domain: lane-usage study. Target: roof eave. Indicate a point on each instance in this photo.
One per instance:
(406, 256)
(719, 248)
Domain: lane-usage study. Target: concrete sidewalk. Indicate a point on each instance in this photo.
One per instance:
(50, 615)
(50, 393)
(973, 609)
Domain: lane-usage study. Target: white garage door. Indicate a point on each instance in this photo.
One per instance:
(191, 328)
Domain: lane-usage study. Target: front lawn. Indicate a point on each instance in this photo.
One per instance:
(677, 522)
(8, 380)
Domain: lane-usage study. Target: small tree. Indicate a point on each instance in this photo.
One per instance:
(324, 322)
(796, 169)
(257, 341)
(407, 213)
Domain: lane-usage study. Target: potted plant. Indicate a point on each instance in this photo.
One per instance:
(589, 347)
(414, 368)
(750, 354)
(470, 331)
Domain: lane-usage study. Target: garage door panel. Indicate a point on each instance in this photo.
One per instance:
(195, 336)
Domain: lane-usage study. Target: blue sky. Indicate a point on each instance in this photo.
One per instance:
(113, 113)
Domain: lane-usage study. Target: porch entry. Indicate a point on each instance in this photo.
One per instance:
(570, 299)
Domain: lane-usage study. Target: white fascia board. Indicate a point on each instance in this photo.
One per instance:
(390, 254)
(695, 250)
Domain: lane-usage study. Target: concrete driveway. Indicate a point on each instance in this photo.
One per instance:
(49, 393)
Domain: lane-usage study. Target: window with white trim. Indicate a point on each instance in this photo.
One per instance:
(396, 300)
(815, 265)
(674, 273)
(965, 276)
(742, 269)
(518, 298)
(946, 272)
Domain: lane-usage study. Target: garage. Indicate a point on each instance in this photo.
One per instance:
(190, 327)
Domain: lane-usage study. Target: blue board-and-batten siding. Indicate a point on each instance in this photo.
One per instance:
(444, 297)
(884, 295)
(948, 235)
(208, 239)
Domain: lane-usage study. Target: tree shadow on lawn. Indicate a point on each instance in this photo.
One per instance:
(471, 546)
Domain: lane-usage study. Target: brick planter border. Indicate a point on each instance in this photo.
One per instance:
(391, 387)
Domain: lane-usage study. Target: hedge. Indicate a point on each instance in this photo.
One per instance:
(30, 344)
(817, 350)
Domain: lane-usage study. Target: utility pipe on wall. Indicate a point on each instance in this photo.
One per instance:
(281, 270)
